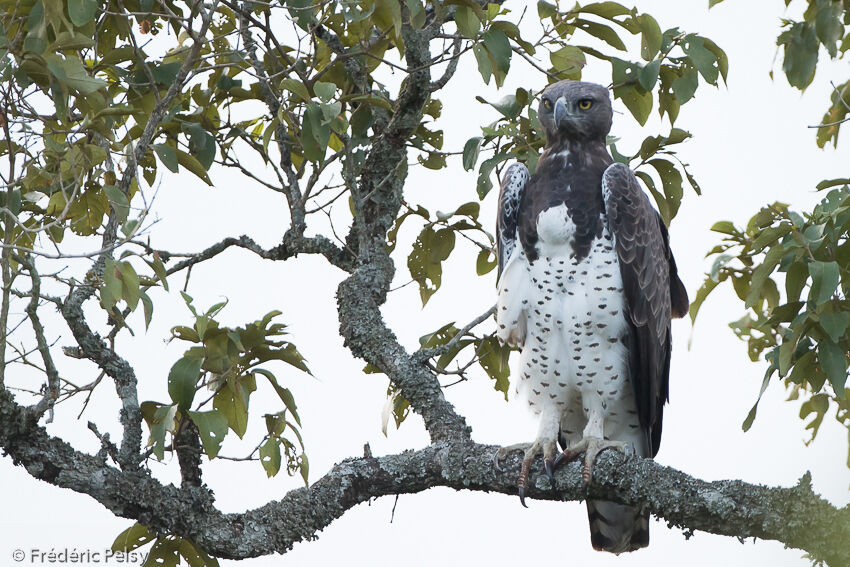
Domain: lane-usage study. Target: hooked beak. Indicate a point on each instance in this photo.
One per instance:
(560, 112)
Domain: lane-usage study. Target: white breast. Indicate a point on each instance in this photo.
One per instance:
(573, 359)
(555, 228)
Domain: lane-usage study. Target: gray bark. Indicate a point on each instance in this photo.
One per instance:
(795, 516)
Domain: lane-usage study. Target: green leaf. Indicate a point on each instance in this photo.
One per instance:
(192, 164)
(725, 227)
(147, 304)
(325, 91)
(283, 393)
(81, 12)
(568, 60)
(315, 134)
(470, 152)
(833, 361)
(828, 26)
(233, 400)
(160, 420)
(296, 87)
(270, 456)
(638, 101)
(648, 75)
(703, 59)
(762, 274)
(110, 292)
(719, 55)
(130, 290)
(425, 260)
(159, 269)
(508, 106)
(601, 31)
(827, 183)
(607, 10)
(545, 9)
(484, 264)
(303, 12)
(71, 72)
(671, 181)
(748, 421)
(801, 54)
(786, 353)
(795, 279)
(493, 358)
(499, 47)
(212, 426)
(182, 379)
(685, 86)
(825, 278)
(118, 201)
(305, 468)
(650, 41)
(485, 68)
(201, 143)
(132, 538)
(467, 21)
(835, 324)
(702, 293)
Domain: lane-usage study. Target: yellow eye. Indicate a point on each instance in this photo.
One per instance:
(547, 104)
(585, 104)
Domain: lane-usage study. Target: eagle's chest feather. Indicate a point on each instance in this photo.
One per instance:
(576, 321)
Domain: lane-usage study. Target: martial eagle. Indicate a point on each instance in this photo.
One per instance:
(587, 288)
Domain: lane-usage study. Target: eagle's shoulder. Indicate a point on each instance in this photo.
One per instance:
(514, 180)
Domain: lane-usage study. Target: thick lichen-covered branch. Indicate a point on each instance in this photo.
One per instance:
(795, 516)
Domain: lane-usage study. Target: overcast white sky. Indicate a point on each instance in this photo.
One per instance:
(751, 147)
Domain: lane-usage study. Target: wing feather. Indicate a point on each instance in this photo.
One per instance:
(654, 293)
(510, 195)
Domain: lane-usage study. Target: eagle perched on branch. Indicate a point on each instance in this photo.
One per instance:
(587, 289)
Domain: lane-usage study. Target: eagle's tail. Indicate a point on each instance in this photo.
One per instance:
(616, 528)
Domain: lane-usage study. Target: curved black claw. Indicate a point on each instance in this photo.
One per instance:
(549, 465)
(497, 462)
(522, 496)
(567, 455)
(558, 459)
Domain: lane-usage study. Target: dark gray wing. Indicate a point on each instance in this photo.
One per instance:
(652, 290)
(510, 194)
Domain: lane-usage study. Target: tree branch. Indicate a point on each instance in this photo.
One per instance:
(377, 199)
(291, 246)
(795, 516)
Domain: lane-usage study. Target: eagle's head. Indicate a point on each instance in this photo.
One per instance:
(575, 110)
